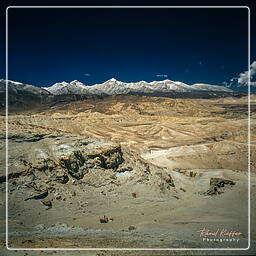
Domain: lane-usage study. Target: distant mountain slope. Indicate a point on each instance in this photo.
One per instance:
(210, 87)
(115, 87)
(20, 88)
(23, 96)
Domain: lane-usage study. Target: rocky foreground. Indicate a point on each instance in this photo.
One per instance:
(71, 191)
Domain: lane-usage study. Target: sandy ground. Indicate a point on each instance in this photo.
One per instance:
(193, 141)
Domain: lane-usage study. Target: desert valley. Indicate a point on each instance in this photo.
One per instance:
(149, 166)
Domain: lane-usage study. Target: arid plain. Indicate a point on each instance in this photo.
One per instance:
(130, 172)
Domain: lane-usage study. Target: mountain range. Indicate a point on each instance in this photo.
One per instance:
(25, 97)
(115, 87)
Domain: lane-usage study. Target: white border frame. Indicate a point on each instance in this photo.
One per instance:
(132, 249)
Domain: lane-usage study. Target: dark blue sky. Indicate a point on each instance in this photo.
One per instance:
(189, 45)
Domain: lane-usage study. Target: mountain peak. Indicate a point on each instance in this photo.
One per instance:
(75, 81)
(112, 80)
(62, 83)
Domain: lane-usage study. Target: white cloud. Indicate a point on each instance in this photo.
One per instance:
(87, 74)
(162, 75)
(243, 77)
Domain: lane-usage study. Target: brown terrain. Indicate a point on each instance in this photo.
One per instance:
(129, 172)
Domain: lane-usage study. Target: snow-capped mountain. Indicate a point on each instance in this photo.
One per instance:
(111, 87)
(115, 87)
(24, 96)
(74, 87)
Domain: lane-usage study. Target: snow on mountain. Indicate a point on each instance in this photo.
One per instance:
(209, 87)
(115, 87)
(168, 85)
(74, 87)
(10, 81)
(110, 87)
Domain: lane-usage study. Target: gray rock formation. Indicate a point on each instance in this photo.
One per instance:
(48, 159)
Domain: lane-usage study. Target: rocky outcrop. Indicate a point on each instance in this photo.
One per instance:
(71, 156)
(148, 173)
(218, 186)
(47, 159)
